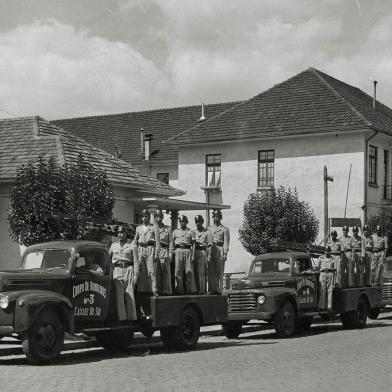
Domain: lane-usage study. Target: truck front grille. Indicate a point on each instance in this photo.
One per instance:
(242, 302)
(387, 292)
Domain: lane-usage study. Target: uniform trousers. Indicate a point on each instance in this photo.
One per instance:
(183, 263)
(367, 268)
(358, 268)
(340, 263)
(216, 269)
(200, 270)
(163, 272)
(148, 270)
(377, 268)
(326, 283)
(124, 291)
(349, 270)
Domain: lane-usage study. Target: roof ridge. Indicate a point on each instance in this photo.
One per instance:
(350, 105)
(145, 111)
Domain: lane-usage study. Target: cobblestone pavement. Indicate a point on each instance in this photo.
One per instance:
(326, 358)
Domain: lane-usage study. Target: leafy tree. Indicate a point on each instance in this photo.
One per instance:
(384, 219)
(277, 213)
(45, 191)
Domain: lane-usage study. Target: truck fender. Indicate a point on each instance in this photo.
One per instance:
(30, 304)
(276, 296)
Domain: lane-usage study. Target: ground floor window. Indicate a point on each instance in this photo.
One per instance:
(266, 168)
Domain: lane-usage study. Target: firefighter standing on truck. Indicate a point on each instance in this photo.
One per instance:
(380, 246)
(203, 243)
(183, 241)
(346, 268)
(165, 254)
(326, 264)
(220, 246)
(356, 247)
(125, 275)
(148, 245)
(367, 254)
(336, 254)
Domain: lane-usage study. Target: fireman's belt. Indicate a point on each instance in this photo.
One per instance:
(369, 249)
(357, 250)
(327, 270)
(123, 264)
(183, 246)
(145, 244)
(164, 245)
(335, 253)
(348, 250)
(218, 243)
(201, 247)
(378, 250)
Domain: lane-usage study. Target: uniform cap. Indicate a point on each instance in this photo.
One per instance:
(199, 218)
(355, 229)
(345, 228)
(158, 212)
(327, 247)
(334, 232)
(217, 213)
(366, 228)
(121, 229)
(145, 212)
(183, 218)
(378, 228)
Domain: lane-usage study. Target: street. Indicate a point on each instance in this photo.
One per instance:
(326, 358)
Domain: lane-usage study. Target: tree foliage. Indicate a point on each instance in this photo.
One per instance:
(384, 219)
(45, 190)
(276, 213)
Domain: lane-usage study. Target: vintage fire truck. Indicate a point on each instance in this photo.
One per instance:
(282, 288)
(52, 293)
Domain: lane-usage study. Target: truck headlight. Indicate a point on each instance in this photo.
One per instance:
(261, 299)
(4, 302)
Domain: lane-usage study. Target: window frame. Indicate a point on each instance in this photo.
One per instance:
(214, 165)
(373, 158)
(270, 180)
(164, 174)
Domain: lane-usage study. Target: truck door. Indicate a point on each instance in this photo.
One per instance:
(306, 283)
(90, 286)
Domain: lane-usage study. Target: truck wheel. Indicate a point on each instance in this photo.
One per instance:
(374, 313)
(304, 322)
(44, 341)
(186, 333)
(116, 341)
(232, 329)
(356, 318)
(284, 320)
(167, 337)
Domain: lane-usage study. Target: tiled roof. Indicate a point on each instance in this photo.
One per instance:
(23, 139)
(309, 102)
(123, 130)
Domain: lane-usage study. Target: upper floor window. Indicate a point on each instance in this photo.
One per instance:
(163, 177)
(373, 165)
(213, 170)
(266, 168)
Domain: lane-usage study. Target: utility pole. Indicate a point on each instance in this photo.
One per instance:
(326, 225)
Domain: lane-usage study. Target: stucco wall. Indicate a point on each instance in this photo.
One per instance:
(153, 170)
(299, 163)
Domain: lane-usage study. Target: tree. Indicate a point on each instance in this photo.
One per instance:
(45, 190)
(384, 219)
(277, 213)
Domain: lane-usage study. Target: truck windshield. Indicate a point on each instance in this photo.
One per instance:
(270, 266)
(48, 259)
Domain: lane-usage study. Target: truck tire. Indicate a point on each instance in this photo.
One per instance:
(44, 340)
(356, 318)
(374, 313)
(186, 333)
(304, 322)
(116, 341)
(284, 320)
(232, 329)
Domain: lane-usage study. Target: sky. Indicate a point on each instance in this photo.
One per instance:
(70, 58)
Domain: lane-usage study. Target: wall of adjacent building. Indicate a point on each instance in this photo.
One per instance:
(156, 168)
(299, 163)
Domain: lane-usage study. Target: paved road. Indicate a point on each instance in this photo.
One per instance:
(326, 358)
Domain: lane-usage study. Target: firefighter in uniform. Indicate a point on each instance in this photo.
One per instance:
(148, 245)
(183, 243)
(367, 254)
(336, 254)
(380, 246)
(220, 246)
(326, 267)
(125, 275)
(203, 243)
(165, 254)
(356, 246)
(346, 268)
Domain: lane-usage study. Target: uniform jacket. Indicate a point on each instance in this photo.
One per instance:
(367, 244)
(325, 262)
(356, 242)
(220, 234)
(380, 243)
(166, 236)
(183, 237)
(126, 253)
(148, 236)
(345, 243)
(203, 237)
(336, 246)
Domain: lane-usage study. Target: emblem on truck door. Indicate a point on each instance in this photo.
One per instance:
(306, 291)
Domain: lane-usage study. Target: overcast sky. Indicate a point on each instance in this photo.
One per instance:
(68, 58)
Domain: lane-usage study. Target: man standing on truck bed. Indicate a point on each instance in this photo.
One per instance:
(367, 254)
(356, 246)
(380, 246)
(125, 275)
(325, 265)
(336, 253)
(220, 246)
(346, 269)
(184, 241)
(148, 245)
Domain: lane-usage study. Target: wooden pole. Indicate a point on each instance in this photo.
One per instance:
(326, 223)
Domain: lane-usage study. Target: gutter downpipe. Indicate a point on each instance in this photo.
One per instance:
(365, 182)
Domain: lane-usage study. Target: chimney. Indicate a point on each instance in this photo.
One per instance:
(142, 141)
(147, 139)
(374, 93)
(202, 117)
